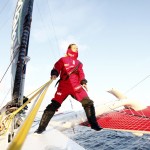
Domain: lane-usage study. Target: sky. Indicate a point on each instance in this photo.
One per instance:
(113, 40)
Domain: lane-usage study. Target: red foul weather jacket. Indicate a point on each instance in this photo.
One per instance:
(71, 77)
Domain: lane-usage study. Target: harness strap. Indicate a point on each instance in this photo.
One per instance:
(68, 75)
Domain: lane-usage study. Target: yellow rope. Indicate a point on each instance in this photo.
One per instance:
(38, 88)
(5, 124)
(22, 133)
(27, 102)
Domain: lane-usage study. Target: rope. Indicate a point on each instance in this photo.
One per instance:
(137, 84)
(5, 97)
(4, 6)
(7, 18)
(139, 114)
(76, 116)
(42, 20)
(7, 121)
(19, 139)
(9, 66)
(51, 18)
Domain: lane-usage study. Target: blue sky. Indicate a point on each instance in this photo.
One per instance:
(113, 37)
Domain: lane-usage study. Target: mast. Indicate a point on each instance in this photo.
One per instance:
(19, 49)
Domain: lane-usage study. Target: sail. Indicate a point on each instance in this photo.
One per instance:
(19, 47)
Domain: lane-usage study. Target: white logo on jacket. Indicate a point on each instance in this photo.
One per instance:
(73, 62)
(77, 87)
(66, 65)
(59, 93)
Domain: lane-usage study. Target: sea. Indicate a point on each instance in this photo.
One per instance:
(107, 139)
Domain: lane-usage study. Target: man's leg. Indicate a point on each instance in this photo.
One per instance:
(50, 110)
(47, 115)
(90, 113)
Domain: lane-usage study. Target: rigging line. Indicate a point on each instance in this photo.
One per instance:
(42, 20)
(137, 84)
(57, 43)
(4, 6)
(5, 97)
(9, 66)
(138, 115)
(75, 116)
(139, 139)
(5, 22)
(51, 18)
(131, 109)
(125, 107)
(126, 113)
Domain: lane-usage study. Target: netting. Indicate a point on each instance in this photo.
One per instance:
(127, 119)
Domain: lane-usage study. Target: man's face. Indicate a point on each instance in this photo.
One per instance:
(74, 48)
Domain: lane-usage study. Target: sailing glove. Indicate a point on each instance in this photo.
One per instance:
(84, 81)
(54, 72)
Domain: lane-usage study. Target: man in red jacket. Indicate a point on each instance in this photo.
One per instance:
(71, 82)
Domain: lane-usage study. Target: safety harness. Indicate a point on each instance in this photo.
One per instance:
(68, 75)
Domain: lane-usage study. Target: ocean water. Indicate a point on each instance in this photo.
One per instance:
(107, 139)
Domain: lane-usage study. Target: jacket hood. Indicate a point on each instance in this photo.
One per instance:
(72, 54)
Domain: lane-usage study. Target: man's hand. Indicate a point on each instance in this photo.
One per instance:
(53, 77)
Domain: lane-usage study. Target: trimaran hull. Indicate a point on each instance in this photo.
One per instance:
(128, 118)
(111, 116)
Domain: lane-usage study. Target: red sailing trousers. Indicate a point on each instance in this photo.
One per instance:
(63, 91)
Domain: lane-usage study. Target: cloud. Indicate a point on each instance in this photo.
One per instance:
(74, 20)
(63, 44)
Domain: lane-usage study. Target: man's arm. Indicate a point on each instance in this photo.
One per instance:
(83, 81)
(56, 69)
